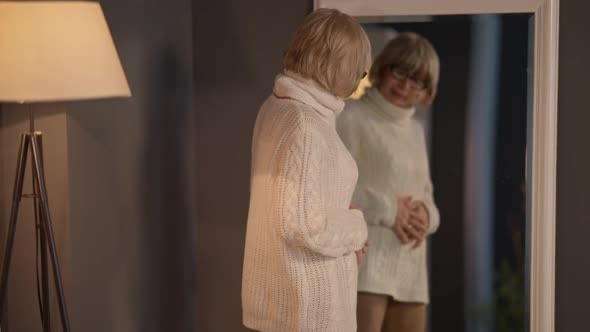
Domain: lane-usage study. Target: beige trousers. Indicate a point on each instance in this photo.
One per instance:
(381, 313)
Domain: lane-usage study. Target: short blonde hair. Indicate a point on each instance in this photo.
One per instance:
(330, 48)
(414, 55)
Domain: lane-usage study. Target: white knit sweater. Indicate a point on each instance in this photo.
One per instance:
(389, 147)
(300, 271)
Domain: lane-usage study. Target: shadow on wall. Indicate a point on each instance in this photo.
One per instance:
(223, 62)
(166, 243)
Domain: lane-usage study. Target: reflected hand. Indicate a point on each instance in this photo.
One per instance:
(402, 219)
(420, 220)
(411, 222)
(420, 212)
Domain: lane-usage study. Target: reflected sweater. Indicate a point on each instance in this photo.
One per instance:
(389, 147)
(300, 271)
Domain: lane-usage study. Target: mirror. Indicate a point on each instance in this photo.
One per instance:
(497, 202)
(475, 132)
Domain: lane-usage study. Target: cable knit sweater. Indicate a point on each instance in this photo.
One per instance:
(389, 147)
(300, 271)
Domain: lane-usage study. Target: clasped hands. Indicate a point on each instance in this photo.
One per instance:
(411, 222)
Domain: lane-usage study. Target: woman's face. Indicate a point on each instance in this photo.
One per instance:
(400, 89)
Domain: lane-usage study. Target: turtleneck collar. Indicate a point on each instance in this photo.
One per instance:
(309, 92)
(385, 108)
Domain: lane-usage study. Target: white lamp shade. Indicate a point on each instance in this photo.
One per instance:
(57, 51)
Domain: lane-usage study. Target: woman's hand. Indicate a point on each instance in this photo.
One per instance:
(420, 212)
(421, 220)
(361, 253)
(410, 223)
(400, 225)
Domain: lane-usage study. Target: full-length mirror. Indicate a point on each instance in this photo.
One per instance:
(490, 136)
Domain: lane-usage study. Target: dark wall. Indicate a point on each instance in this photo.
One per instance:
(131, 180)
(572, 290)
(238, 47)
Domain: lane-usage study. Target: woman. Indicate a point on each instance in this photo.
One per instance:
(394, 189)
(300, 268)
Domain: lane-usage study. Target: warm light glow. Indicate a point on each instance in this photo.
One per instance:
(57, 51)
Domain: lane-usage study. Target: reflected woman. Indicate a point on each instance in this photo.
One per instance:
(394, 189)
(303, 241)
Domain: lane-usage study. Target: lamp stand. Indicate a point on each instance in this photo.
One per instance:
(32, 141)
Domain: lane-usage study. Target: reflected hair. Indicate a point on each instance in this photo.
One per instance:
(414, 55)
(330, 48)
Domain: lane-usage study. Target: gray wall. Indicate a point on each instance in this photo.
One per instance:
(572, 290)
(132, 180)
(238, 49)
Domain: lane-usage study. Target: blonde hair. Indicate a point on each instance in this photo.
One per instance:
(330, 48)
(414, 55)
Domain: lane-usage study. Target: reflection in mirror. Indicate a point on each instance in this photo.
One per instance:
(442, 163)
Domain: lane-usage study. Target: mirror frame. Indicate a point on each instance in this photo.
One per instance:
(544, 122)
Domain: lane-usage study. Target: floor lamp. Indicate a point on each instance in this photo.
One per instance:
(51, 51)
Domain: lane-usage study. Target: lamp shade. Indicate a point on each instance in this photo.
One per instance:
(57, 51)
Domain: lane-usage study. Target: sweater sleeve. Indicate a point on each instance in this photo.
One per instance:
(303, 218)
(378, 209)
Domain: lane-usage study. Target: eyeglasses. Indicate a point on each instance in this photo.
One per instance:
(364, 75)
(403, 76)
